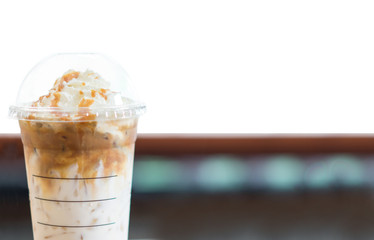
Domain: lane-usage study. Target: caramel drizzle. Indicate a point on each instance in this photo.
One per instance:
(102, 93)
(66, 78)
(58, 86)
(56, 99)
(93, 93)
(85, 102)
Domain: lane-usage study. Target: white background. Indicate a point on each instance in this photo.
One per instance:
(211, 66)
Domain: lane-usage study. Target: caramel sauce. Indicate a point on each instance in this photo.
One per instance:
(56, 99)
(41, 98)
(85, 116)
(69, 76)
(102, 93)
(86, 102)
(55, 147)
(66, 78)
(60, 83)
(93, 93)
(58, 86)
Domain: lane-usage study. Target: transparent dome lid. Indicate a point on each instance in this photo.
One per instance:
(118, 100)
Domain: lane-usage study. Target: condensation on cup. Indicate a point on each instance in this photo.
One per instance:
(78, 115)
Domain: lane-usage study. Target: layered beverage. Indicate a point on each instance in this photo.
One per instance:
(79, 160)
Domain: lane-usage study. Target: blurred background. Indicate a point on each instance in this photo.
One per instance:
(229, 187)
(259, 121)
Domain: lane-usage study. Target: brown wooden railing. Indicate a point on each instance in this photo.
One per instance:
(179, 144)
(251, 144)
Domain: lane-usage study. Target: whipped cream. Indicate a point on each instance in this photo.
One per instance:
(80, 89)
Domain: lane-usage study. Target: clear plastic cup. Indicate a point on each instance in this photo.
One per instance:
(79, 169)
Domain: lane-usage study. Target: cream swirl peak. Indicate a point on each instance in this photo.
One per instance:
(80, 89)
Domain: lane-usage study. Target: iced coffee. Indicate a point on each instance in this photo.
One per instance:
(79, 159)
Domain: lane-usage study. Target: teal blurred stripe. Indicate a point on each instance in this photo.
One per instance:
(221, 173)
(283, 172)
(278, 172)
(153, 174)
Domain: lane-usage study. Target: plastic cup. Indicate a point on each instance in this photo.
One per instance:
(79, 171)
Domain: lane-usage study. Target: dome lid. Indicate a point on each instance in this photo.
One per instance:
(123, 101)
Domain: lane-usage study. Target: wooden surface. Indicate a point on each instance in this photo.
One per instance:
(248, 144)
(175, 144)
